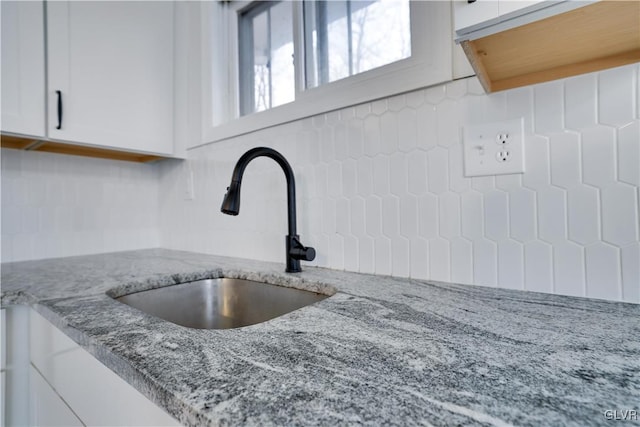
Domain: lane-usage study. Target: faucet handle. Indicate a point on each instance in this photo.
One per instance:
(301, 252)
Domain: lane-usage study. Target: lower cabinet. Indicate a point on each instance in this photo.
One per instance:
(47, 407)
(15, 366)
(67, 386)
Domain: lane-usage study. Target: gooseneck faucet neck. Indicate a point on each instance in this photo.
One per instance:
(241, 165)
(231, 203)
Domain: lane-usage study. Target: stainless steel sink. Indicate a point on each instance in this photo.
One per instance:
(220, 303)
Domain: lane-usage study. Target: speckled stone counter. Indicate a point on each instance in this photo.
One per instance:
(380, 351)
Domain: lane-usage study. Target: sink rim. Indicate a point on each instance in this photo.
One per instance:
(173, 280)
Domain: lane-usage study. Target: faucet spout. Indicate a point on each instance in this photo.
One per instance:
(295, 251)
(231, 202)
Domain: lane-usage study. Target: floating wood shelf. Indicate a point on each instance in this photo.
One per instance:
(598, 36)
(31, 144)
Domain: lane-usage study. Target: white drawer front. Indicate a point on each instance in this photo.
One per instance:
(97, 395)
(47, 408)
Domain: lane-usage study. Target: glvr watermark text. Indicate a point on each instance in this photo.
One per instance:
(621, 414)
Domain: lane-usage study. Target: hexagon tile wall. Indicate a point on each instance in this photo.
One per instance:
(381, 189)
(56, 205)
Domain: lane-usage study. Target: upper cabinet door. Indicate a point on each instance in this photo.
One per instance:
(467, 14)
(23, 68)
(110, 74)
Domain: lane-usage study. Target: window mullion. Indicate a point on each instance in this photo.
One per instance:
(247, 68)
(349, 37)
(269, 58)
(323, 42)
(300, 49)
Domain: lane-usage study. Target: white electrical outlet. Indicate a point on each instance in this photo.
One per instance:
(494, 148)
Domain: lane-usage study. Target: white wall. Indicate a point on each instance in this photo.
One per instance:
(56, 205)
(381, 190)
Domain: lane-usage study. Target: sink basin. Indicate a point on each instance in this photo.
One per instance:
(220, 303)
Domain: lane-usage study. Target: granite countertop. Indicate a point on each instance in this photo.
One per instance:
(380, 351)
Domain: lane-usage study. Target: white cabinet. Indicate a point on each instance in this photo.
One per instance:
(15, 366)
(110, 65)
(94, 394)
(484, 17)
(47, 408)
(3, 360)
(534, 42)
(49, 380)
(467, 14)
(23, 92)
(508, 6)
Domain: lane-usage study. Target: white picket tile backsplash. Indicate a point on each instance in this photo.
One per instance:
(603, 274)
(616, 89)
(381, 190)
(619, 214)
(56, 205)
(538, 266)
(566, 167)
(631, 272)
(580, 102)
(569, 270)
(549, 107)
(583, 215)
(629, 153)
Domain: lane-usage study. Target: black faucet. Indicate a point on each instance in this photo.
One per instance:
(231, 204)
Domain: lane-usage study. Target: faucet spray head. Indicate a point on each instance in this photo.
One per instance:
(231, 202)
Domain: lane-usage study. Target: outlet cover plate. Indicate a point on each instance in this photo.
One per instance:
(495, 148)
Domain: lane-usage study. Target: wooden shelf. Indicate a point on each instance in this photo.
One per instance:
(31, 144)
(598, 36)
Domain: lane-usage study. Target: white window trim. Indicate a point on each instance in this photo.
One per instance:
(429, 64)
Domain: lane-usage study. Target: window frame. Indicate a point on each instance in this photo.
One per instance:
(430, 63)
(245, 41)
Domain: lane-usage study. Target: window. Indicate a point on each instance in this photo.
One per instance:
(266, 56)
(271, 62)
(343, 38)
